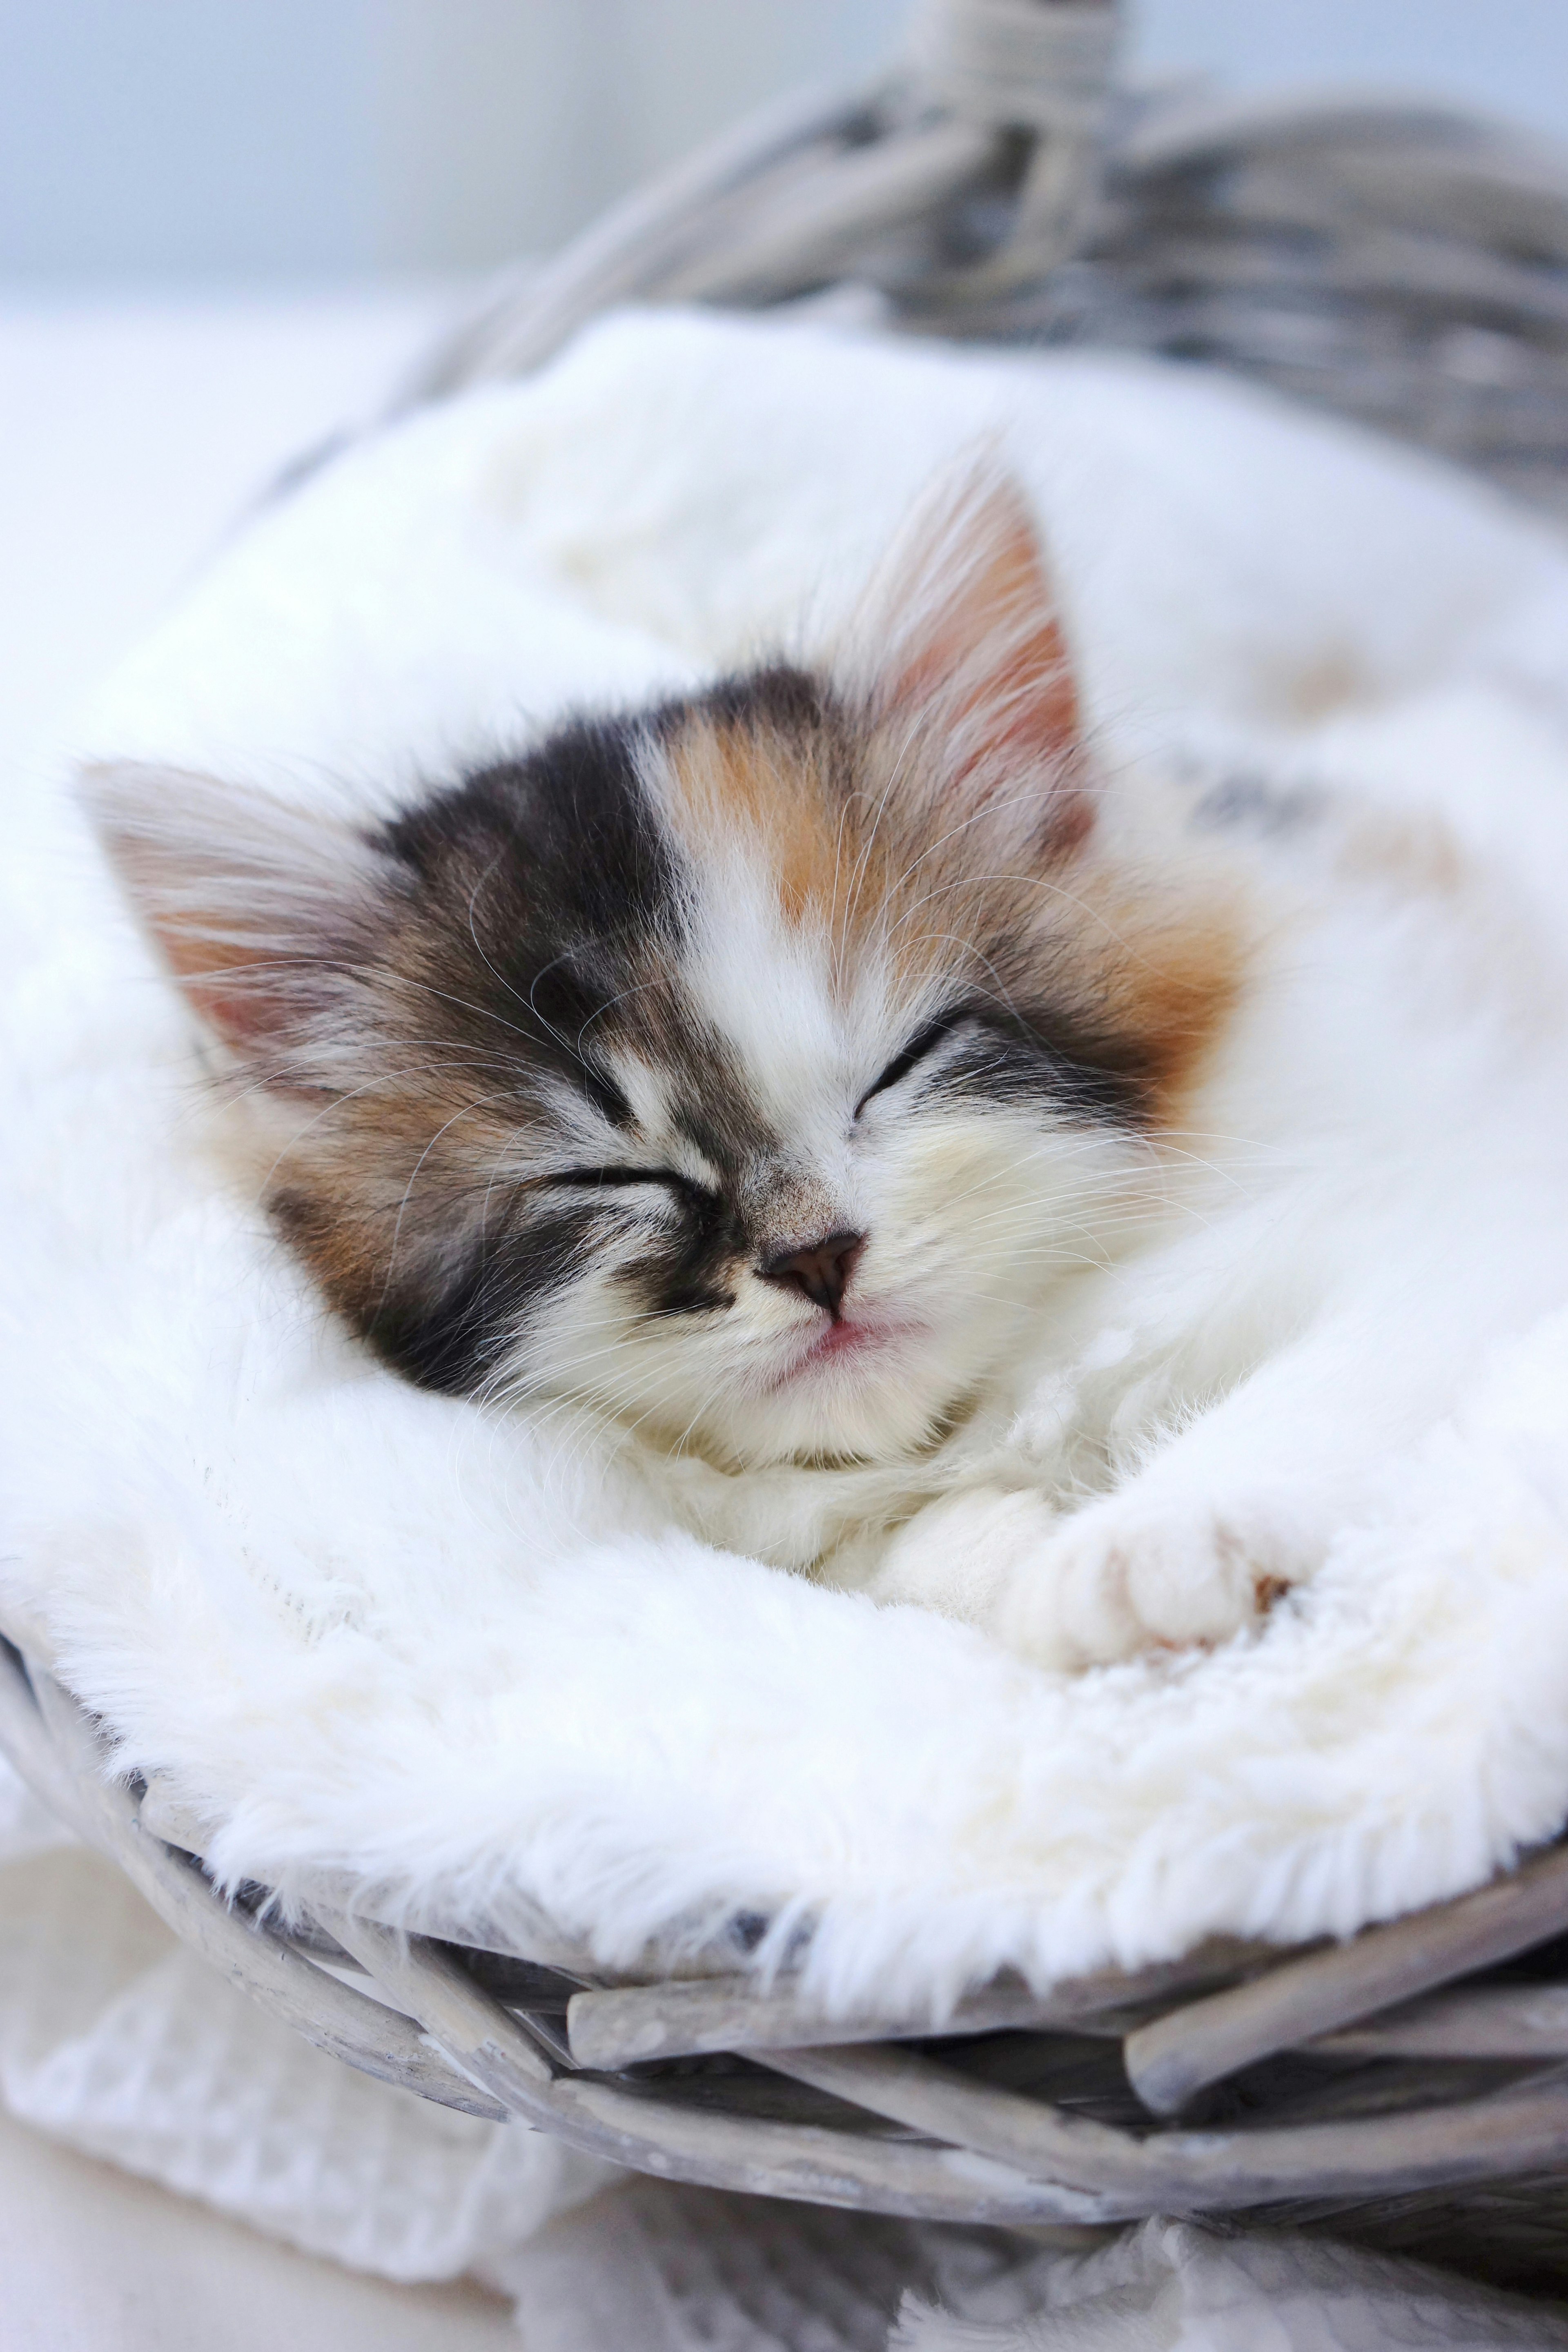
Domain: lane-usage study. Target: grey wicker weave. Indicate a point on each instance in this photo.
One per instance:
(1408, 267)
(1404, 265)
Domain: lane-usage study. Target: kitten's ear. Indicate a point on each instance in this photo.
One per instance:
(259, 912)
(963, 640)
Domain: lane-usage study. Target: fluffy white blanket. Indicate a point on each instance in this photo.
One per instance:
(359, 1627)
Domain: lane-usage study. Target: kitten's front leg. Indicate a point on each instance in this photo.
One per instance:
(1190, 1550)
(1067, 1590)
(960, 1556)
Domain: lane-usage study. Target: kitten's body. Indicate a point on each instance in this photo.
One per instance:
(1366, 1190)
(1048, 1192)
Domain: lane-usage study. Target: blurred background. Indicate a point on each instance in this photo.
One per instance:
(228, 225)
(167, 144)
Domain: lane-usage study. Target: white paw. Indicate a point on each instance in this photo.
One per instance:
(1138, 1572)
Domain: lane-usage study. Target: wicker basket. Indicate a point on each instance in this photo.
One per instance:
(1410, 2087)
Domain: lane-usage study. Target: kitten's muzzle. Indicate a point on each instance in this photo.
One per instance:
(820, 1271)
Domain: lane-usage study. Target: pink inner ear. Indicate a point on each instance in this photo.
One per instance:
(249, 903)
(978, 644)
(234, 977)
(239, 991)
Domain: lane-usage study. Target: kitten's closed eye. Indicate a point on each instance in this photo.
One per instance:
(598, 1178)
(924, 1042)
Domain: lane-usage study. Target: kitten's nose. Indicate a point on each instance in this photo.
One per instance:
(820, 1272)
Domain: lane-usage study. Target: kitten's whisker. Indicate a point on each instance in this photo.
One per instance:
(464, 1111)
(642, 988)
(1004, 996)
(378, 1081)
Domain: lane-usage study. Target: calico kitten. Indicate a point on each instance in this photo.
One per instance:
(806, 1074)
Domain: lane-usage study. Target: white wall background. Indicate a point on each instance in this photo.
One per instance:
(189, 141)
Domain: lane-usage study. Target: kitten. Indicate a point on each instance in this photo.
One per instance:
(918, 1140)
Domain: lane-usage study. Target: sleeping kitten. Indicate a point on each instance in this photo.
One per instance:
(973, 1173)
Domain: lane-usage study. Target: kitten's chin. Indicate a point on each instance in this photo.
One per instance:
(872, 1389)
(848, 1401)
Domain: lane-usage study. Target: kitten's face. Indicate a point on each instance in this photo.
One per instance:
(752, 1068)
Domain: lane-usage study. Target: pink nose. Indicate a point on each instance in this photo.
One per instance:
(820, 1272)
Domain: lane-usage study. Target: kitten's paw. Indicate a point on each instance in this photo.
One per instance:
(1139, 1573)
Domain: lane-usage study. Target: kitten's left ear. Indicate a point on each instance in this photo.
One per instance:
(964, 644)
(262, 913)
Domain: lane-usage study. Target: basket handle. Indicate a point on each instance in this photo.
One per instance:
(1007, 95)
(1043, 68)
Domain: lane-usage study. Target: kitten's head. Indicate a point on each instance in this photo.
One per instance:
(751, 1067)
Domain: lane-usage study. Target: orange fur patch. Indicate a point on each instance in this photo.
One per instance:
(769, 791)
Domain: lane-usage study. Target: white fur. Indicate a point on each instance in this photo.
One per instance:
(1373, 1194)
(471, 1659)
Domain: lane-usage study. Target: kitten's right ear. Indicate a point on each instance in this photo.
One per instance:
(960, 644)
(260, 911)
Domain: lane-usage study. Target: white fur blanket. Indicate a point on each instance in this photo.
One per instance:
(360, 1627)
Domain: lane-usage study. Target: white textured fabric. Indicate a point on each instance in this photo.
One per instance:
(94, 2259)
(1171, 2287)
(670, 2270)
